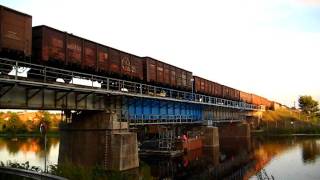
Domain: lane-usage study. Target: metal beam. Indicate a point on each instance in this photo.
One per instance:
(6, 91)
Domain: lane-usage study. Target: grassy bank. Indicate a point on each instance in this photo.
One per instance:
(283, 122)
(289, 131)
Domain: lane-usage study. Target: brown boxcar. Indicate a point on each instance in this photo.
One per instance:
(207, 87)
(48, 45)
(114, 61)
(230, 93)
(246, 97)
(256, 99)
(217, 89)
(74, 50)
(136, 67)
(266, 103)
(173, 77)
(166, 73)
(161, 73)
(150, 69)
(89, 55)
(54, 47)
(179, 77)
(198, 85)
(225, 92)
(234, 94)
(237, 95)
(16, 35)
(103, 59)
(125, 64)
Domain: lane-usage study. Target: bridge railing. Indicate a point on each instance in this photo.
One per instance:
(49, 75)
(162, 119)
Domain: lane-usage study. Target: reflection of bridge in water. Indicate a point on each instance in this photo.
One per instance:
(229, 161)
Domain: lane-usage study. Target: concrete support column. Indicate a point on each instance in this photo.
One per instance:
(234, 130)
(211, 136)
(97, 138)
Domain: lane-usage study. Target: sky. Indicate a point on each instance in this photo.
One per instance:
(266, 47)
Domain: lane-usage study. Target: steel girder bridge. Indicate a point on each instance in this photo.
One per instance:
(31, 86)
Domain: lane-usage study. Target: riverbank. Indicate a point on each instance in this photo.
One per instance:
(30, 134)
(301, 131)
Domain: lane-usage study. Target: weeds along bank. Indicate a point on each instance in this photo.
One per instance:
(289, 122)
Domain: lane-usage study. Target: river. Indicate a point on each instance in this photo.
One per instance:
(256, 158)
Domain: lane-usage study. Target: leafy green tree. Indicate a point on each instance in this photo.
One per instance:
(15, 124)
(308, 105)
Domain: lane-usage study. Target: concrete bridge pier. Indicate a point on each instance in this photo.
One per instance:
(96, 138)
(210, 137)
(215, 136)
(236, 130)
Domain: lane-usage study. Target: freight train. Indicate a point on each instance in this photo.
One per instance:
(51, 47)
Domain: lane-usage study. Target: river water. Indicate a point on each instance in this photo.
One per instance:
(256, 158)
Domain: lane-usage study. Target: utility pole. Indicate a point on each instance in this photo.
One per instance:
(43, 131)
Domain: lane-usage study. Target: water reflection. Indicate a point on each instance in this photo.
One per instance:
(310, 151)
(29, 149)
(244, 158)
(228, 161)
(85, 148)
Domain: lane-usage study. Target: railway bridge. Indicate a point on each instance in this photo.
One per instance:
(111, 110)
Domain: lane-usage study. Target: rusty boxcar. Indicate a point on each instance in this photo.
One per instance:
(256, 99)
(54, 47)
(207, 87)
(16, 36)
(57, 48)
(246, 97)
(161, 73)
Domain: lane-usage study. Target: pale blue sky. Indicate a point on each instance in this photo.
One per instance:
(267, 47)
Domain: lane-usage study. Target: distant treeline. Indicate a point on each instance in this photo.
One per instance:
(26, 122)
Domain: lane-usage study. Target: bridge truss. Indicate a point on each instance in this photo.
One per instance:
(31, 86)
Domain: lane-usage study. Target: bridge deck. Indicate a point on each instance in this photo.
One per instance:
(19, 91)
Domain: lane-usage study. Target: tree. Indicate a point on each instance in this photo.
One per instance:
(307, 104)
(15, 124)
(45, 118)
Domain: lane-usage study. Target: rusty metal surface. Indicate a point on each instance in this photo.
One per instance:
(89, 55)
(207, 87)
(165, 74)
(48, 44)
(245, 97)
(56, 46)
(74, 50)
(103, 59)
(15, 37)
